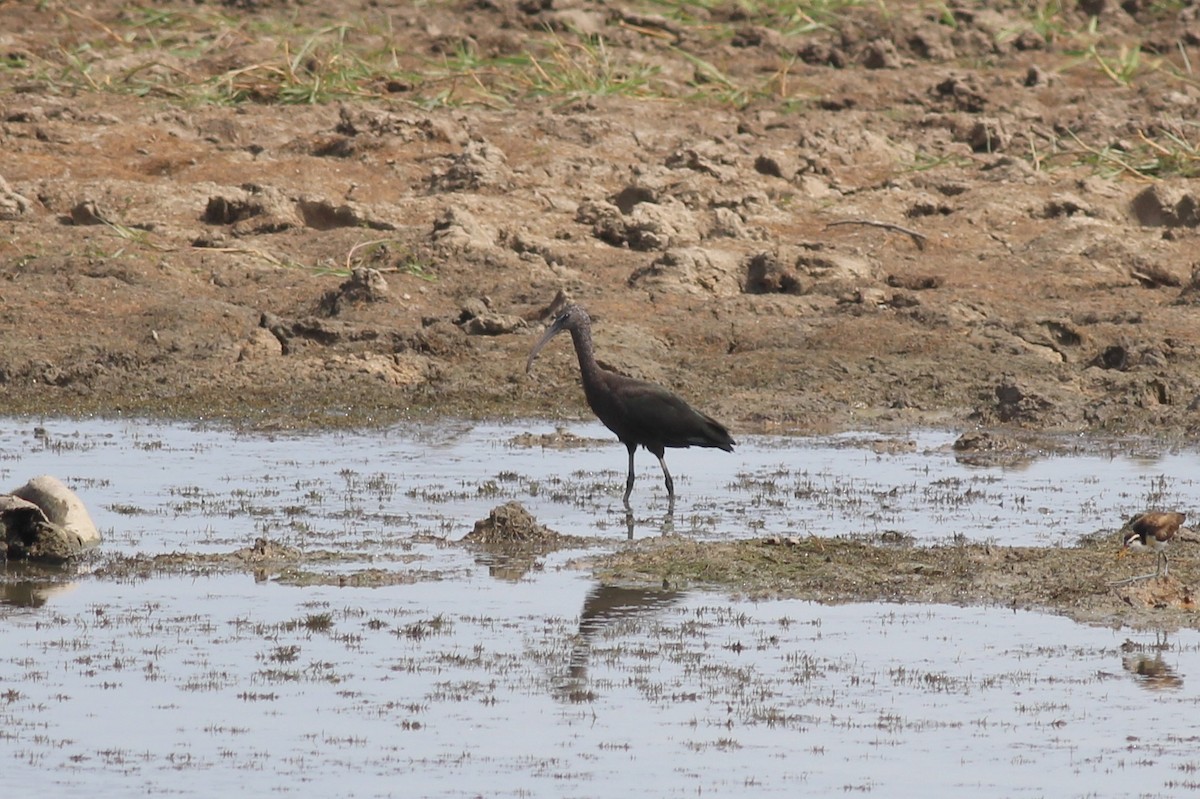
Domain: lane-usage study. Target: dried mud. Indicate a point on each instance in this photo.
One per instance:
(388, 252)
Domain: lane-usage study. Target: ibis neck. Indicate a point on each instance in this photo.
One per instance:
(582, 338)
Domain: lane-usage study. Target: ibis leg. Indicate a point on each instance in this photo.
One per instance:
(629, 479)
(667, 477)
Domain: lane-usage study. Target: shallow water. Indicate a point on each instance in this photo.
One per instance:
(546, 684)
(482, 687)
(156, 488)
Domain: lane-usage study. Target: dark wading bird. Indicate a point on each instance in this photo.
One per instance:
(640, 413)
(1152, 530)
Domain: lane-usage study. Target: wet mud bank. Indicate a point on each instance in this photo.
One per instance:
(1082, 583)
(1085, 583)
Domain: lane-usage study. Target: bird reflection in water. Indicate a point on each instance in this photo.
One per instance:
(640, 413)
(606, 605)
(666, 528)
(511, 567)
(1151, 672)
(1145, 663)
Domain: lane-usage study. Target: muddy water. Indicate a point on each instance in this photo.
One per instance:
(457, 683)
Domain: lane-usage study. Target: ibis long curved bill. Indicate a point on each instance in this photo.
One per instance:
(550, 333)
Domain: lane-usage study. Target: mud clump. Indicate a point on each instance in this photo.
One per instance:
(986, 448)
(510, 542)
(364, 285)
(265, 550)
(510, 525)
(561, 438)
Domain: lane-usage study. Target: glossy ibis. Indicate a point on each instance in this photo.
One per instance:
(640, 413)
(1152, 530)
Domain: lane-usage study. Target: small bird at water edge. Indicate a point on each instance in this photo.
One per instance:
(1152, 530)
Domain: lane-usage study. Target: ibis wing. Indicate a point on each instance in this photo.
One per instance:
(655, 417)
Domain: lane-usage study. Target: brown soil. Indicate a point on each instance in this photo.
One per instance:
(1047, 293)
(390, 252)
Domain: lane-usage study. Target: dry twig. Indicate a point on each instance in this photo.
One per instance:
(918, 238)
